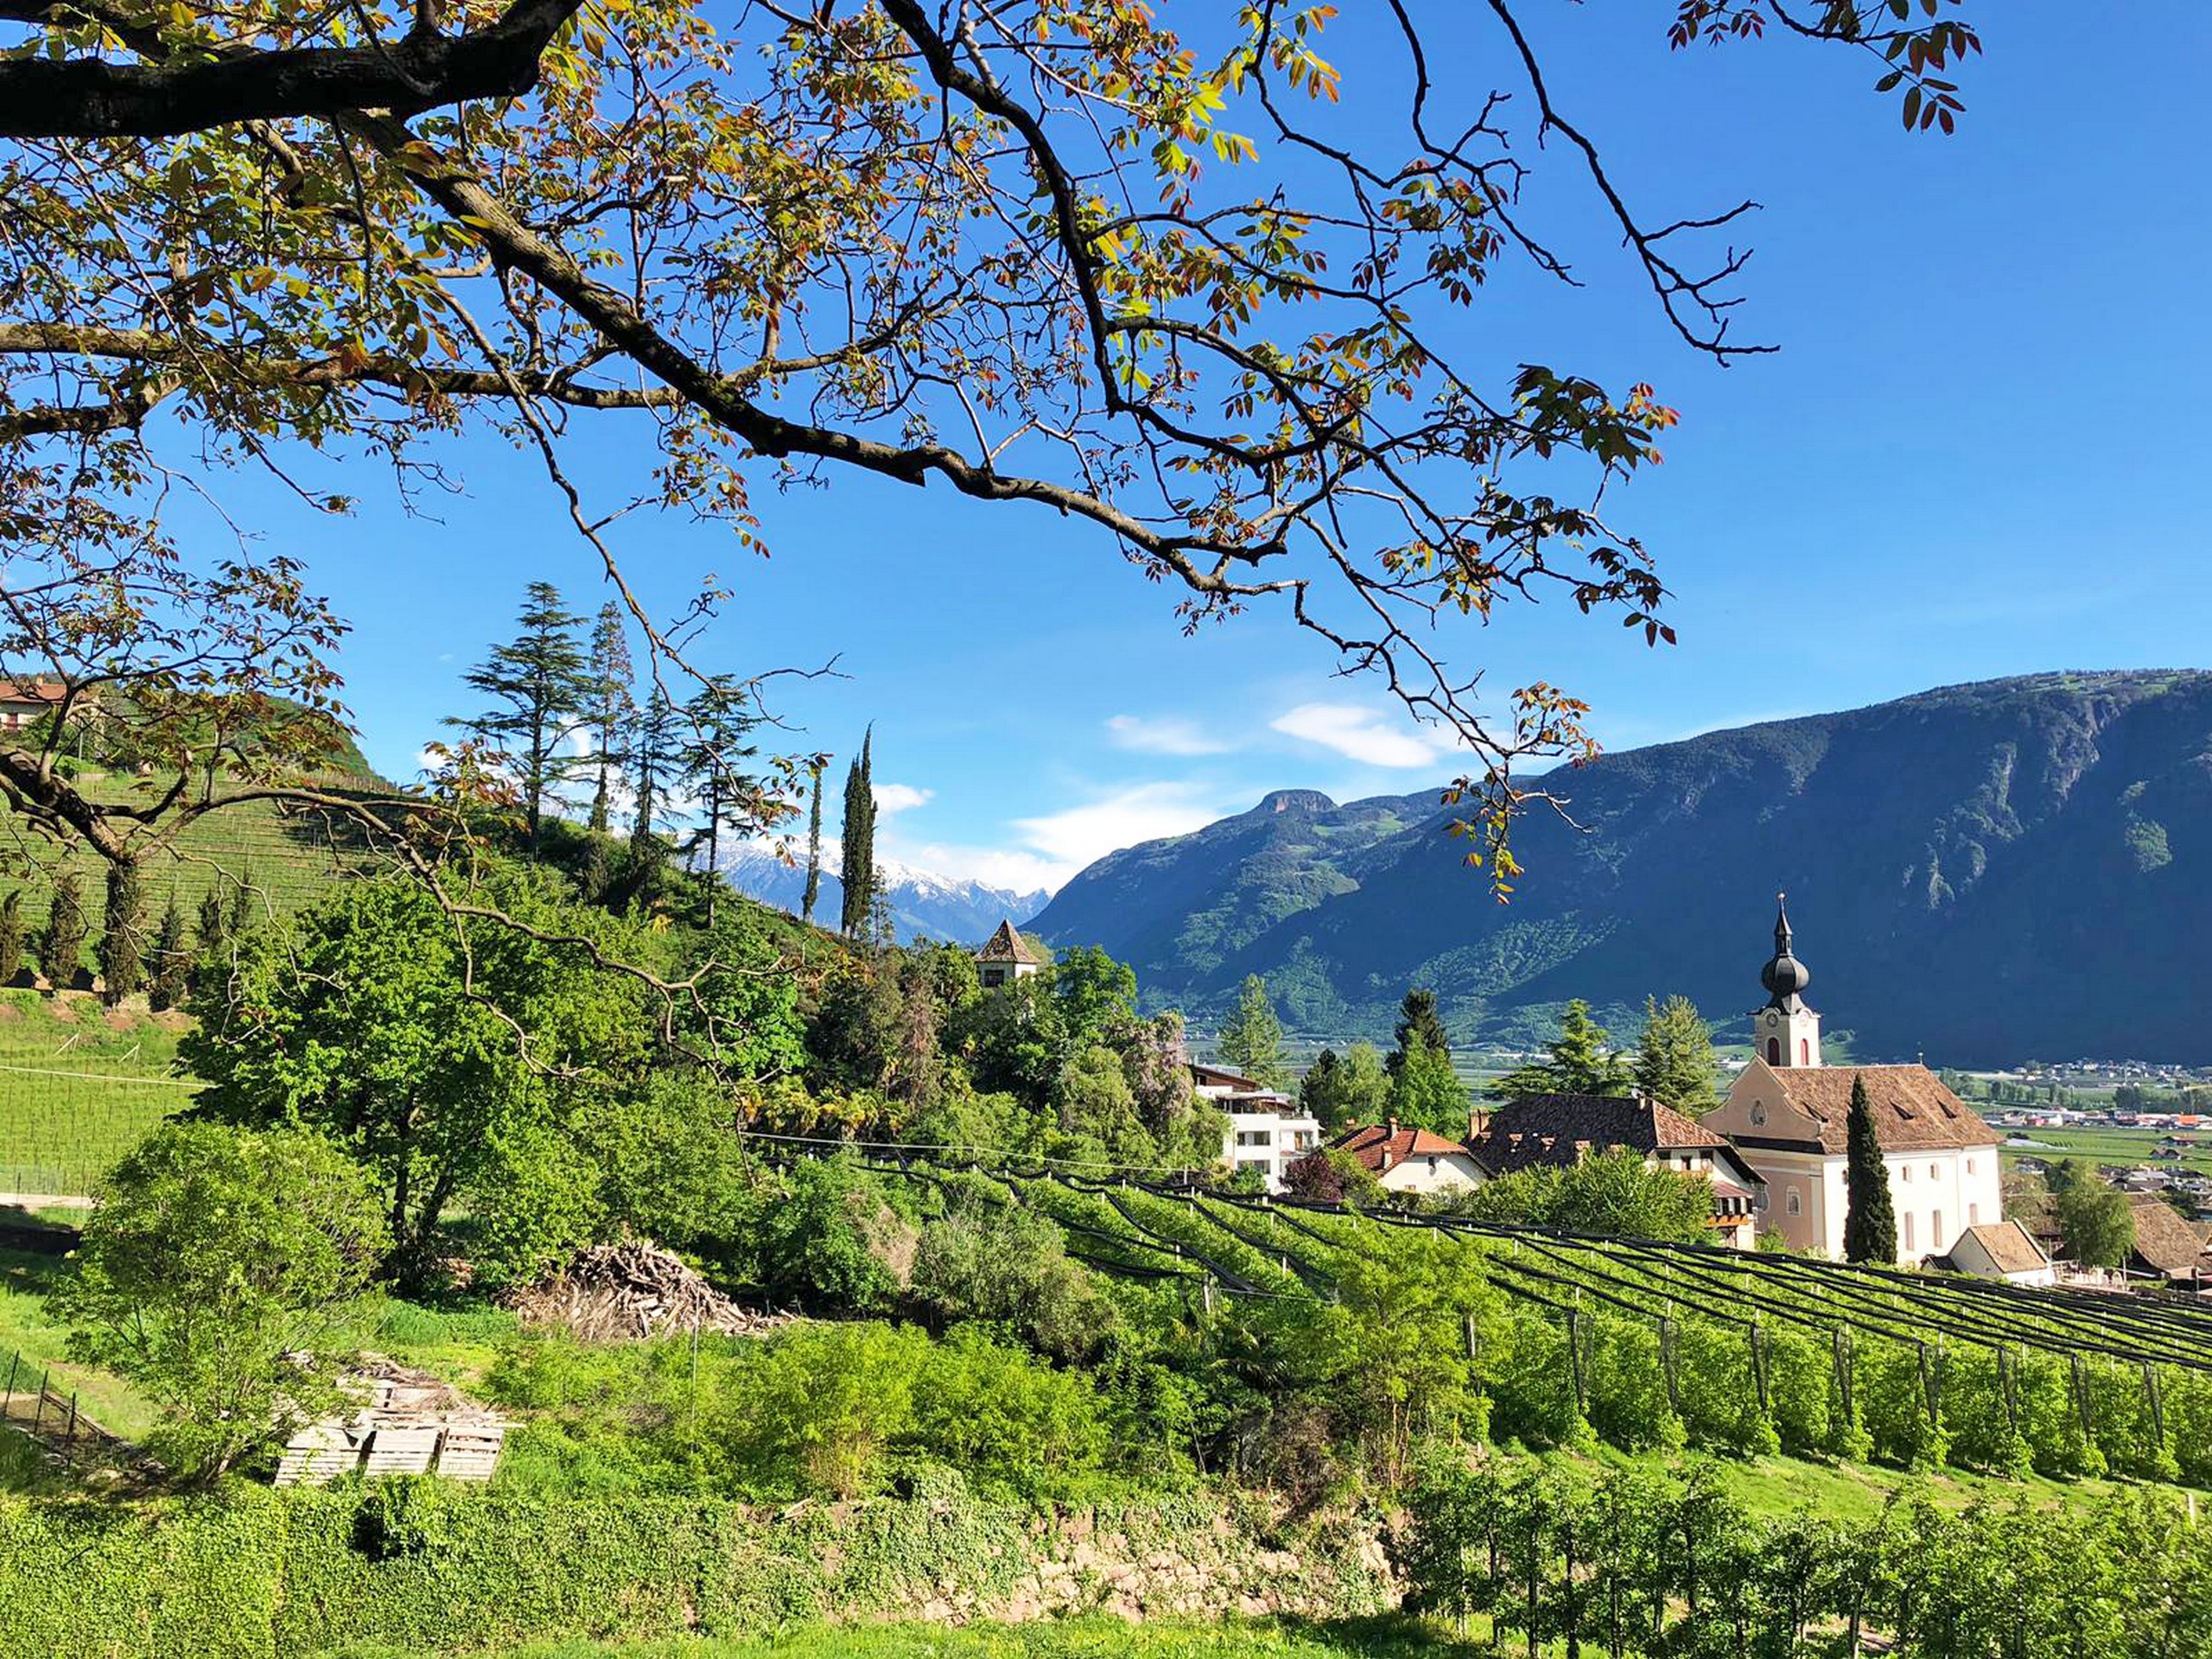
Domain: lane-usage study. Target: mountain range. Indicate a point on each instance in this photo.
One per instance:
(923, 906)
(1984, 873)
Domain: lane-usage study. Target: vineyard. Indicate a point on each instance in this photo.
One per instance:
(1564, 1338)
(79, 1086)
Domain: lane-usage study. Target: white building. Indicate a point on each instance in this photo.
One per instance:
(1790, 1115)
(1005, 957)
(2002, 1249)
(1267, 1131)
(1406, 1160)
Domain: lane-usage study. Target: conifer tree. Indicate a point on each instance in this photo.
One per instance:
(1580, 1060)
(1869, 1220)
(62, 947)
(857, 834)
(1426, 1091)
(1251, 1037)
(1420, 1026)
(611, 707)
(240, 900)
(122, 943)
(1674, 1057)
(214, 934)
(655, 753)
(730, 798)
(813, 850)
(11, 937)
(172, 980)
(539, 683)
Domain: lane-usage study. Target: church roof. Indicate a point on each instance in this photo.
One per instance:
(1914, 1111)
(1007, 946)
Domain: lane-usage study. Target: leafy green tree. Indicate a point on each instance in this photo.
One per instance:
(214, 1275)
(1580, 1060)
(2097, 1223)
(857, 840)
(448, 1076)
(1869, 1220)
(1096, 994)
(1426, 1091)
(1099, 1110)
(11, 936)
(1250, 1039)
(610, 708)
(836, 1238)
(122, 933)
(61, 946)
(1350, 1088)
(668, 1165)
(745, 1012)
(172, 980)
(813, 849)
(1011, 1268)
(1674, 1065)
(539, 683)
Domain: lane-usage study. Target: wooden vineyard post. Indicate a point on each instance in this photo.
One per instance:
(38, 1411)
(1474, 1342)
(14, 1364)
(1574, 1360)
(2158, 1405)
(2081, 1396)
(2008, 1385)
(1843, 1368)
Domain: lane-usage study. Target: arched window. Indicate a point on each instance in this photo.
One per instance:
(1804, 1051)
(1794, 1205)
(1758, 1113)
(1774, 1051)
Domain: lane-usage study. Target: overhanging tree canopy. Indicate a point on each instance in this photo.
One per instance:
(1116, 261)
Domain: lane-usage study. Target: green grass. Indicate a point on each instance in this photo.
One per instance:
(1080, 1638)
(78, 1088)
(2129, 1146)
(26, 1330)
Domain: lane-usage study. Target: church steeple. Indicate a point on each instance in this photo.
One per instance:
(1785, 1032)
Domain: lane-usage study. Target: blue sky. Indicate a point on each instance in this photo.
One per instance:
(1970, 458)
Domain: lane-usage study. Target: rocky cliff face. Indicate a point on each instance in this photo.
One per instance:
(1984, 872)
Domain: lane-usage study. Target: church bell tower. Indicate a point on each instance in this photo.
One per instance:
(1785, 1033)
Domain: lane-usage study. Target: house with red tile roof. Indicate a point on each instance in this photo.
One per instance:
(1404, 1159)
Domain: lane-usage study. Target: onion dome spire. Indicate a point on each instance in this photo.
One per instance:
(1785, 976)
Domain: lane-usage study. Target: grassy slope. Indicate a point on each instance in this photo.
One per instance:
(78, 1088)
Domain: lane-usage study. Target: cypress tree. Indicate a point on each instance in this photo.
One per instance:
(62, 947)
(813, 850)
(611, 705)
(214, 930)
(240, 902)
(1869, 1225)
(11, 937)
(858, 837)
(172, 962)
(122, 945)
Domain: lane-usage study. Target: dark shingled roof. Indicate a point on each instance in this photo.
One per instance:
(1556, 1129)
(2164, 1241)
(1914, 1111)
(1007, 946)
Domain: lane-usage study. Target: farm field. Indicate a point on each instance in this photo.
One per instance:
(79, 1086)
(2105, 1145)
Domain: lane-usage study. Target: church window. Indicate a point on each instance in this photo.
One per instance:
(1794, 1206)
(1804, 1051)
(1774, 1051)
(1905, 1220)
(1935, 1227)
(1974, 1215)
(1759, 1112)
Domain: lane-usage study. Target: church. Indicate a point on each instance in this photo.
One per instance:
(1788, 1115)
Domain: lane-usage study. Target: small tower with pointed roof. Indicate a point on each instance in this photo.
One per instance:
(1005, 957)
(1785, 1033)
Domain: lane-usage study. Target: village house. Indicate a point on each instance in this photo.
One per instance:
(2167, 1244)
(1404, 1159)
(1999, 1249)
(1789, 1114)
(1267, 1131)
(24, 703)
(1558, 1131)
(1005, 957)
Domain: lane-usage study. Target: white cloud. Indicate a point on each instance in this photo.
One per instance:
(1357, 733)
(893, 798)
(1052, 848)
(1167, 734)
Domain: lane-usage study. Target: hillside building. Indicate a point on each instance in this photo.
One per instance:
(1408, 1160)
(1999, 1249)
(1558, 1131)
(1788, 1115)
(1267, 1132)
(1005, 957)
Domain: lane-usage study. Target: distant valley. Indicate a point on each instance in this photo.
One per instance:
(1985, 874)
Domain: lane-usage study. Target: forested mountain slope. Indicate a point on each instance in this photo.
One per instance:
(1985, 873)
